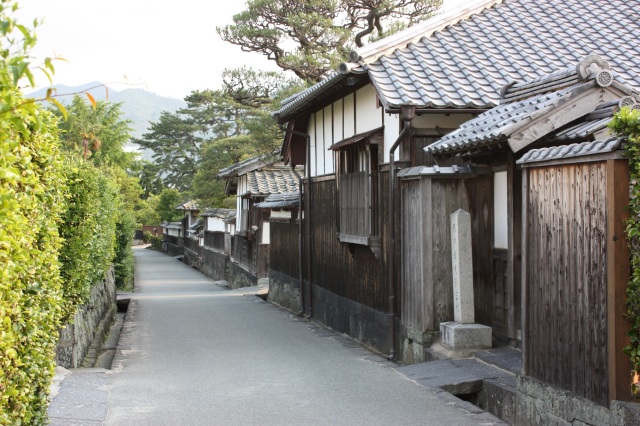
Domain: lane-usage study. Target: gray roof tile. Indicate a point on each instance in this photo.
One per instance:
(571, 151)
(273, 181)
(274, 201)
(530, 99)
(511, 41)
(505, 41)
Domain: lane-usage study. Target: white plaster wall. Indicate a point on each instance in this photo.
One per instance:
(280, 214)
(327, 154)
(349, 108)
(353, 114)
(368, 116)
(312, 144)
(266, 232)
(501, 226)
(391, 132)
(215, 224)
(338, 121)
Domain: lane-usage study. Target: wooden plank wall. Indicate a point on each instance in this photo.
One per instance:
(284, 248)
(354, 204)
(347, 270)
(244, 251)
(566, 299)
(426, 274)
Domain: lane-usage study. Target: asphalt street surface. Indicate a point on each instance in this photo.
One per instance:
(193, 353)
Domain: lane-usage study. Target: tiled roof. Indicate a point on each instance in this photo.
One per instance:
(571, 151)
(196, 225)
(545, 94)
(172, 225)
(219, 213)
(433, 170)
(465, 64)
(594, 122)
(189, 206)
(273, 181)
(231, 217)
(247, 165)
(274, 201)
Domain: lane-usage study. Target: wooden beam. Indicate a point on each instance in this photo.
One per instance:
(618, 274)
(553, 117)
(523, 274)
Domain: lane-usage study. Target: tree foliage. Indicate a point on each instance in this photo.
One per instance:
(627, 123)
(96, 132)
(215, 130)
(311, 37)
(168, 200)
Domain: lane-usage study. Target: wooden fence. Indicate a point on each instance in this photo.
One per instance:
(574, 299)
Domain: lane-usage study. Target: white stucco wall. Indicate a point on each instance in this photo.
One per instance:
(351, 115)
(500, 211)
(215, 224)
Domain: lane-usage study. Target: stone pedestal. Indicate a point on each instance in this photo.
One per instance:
(465, 336)
(460, 338)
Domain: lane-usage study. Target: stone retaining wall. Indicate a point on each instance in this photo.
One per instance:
(240, 277)
(215, 264)
(284, 291)
(538, 403)
(90, 322)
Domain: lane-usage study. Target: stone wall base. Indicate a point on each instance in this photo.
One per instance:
(361, 322)
(215, 265)
(284, 291)
(240, 277)
(538, 403)
(90, 322)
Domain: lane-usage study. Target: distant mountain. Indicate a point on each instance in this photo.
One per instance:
(138, 105)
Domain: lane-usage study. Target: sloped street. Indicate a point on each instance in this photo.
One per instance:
(193, 353)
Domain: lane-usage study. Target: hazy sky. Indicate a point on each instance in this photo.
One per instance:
(169, 48)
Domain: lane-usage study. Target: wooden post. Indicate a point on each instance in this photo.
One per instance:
(619, 366)
(523, 275)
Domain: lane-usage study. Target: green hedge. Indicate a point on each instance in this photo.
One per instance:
(124, 261)
(89, 231)
(627, 123)
(31, 199)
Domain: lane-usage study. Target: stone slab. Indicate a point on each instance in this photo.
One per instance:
(465, 336)
(462, 263)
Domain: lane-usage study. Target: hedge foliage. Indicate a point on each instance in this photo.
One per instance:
(58, 220)
(627, 123)
(88, 230)
(31, 200)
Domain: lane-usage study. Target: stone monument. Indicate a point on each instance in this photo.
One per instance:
(462, 335)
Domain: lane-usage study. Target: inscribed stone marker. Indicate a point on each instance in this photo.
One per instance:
(463, 308)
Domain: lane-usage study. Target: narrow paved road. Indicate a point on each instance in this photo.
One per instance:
(192, 353)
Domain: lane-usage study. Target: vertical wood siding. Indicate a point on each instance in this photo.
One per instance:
(284, 248)
(347, 270)
(426, 272)
(566, 278)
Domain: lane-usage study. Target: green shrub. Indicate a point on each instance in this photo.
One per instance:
(627, 123)
(31, 185)
(155, 241)
(89, 230)
(124, 262)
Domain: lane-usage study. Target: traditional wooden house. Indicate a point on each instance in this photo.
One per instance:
(216, 246)
(285, 229)
(351, 134)
(172, 242)
(191, 229)
(560, 262)
(252, 181)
